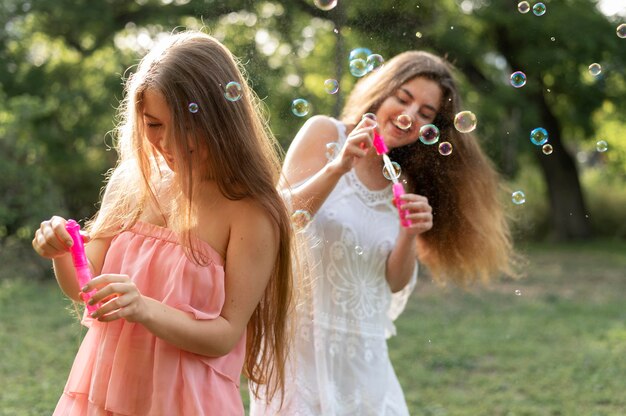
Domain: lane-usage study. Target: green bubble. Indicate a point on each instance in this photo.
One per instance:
(300, 107)
(358, 67)
(539, 136)
(518, 197)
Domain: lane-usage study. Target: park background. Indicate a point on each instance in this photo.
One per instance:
(552, 343)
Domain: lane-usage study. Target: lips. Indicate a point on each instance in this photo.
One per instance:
(399, 132)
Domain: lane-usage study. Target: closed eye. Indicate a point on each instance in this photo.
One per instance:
(153, 125)
(401, 101)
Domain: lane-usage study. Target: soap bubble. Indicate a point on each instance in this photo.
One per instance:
(518, 79)
(331, 86)
(523, 7)
(547, 149)
(445, 148)
(359, 53)
(621, 31)
(429, 134)
(602, 146)
(539, 9)
(232, 92)
(518, 197)
(371, 116)
(358, 67)
(325, 4)
(332, 150)
(300, 219)
(397, 170)
(300, 107)
(595, 69)
(374, 62)
(539, 136)
(193, 108)
(465, 121)
(404, 121)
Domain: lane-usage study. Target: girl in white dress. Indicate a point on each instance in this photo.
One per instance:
(358, 264)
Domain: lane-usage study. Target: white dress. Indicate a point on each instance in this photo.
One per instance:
(339, 364)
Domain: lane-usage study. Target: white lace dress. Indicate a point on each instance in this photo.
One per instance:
(339, 363)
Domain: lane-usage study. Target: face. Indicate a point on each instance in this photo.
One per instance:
(417, 101)
(156, 121)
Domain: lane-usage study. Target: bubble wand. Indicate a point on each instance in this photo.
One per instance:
(79, 258)
(398, 190)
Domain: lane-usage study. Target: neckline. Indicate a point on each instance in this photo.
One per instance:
(370, 196)
(163, 233)
(358, 178)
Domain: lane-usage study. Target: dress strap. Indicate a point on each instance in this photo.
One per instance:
(341, 131)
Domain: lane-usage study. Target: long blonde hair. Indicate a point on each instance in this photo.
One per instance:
(193, 68)
(470, 239)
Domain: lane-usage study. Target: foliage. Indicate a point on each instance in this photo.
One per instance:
(63, 62)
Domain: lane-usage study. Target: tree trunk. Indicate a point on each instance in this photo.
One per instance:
(568, 215)
(340, 56)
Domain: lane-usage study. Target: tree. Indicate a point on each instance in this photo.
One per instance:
(62, 64)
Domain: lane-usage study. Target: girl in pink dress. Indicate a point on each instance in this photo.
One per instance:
(190, 247)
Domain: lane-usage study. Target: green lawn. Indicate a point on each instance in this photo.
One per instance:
(553, 343)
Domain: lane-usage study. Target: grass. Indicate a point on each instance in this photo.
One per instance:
(552, 343)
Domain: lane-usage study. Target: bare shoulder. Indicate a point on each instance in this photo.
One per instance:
(223, 221)
(249, 216)
(317, 129)
(253, 233)
(307, 153)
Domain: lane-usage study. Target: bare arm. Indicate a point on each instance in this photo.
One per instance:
(402, 259)
(250, 256)
(52, 241)
(307, 166)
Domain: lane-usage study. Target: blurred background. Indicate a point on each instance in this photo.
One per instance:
(62, 64)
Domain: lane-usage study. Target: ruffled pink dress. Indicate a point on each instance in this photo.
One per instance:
(123, 369)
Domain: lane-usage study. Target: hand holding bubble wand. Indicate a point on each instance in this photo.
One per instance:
(398, 190)
(79, 258)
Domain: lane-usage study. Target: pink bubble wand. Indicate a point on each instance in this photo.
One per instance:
(79, 258)
(398, 190)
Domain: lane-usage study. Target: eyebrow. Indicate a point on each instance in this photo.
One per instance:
(430, 107)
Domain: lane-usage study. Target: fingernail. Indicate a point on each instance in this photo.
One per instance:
(91, 302)
(85, 288)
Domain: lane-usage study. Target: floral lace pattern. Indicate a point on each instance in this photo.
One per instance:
(353, 289)
(370, 197)
(340, 365)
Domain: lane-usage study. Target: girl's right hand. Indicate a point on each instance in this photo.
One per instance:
(51, 239)
(357, 144)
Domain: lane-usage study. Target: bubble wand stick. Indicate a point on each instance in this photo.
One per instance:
(398, 190)
(79, 258)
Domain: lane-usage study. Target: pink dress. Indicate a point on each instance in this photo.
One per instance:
(123, 369)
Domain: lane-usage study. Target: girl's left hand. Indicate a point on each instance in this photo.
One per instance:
(420, 213)
(119, 297)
